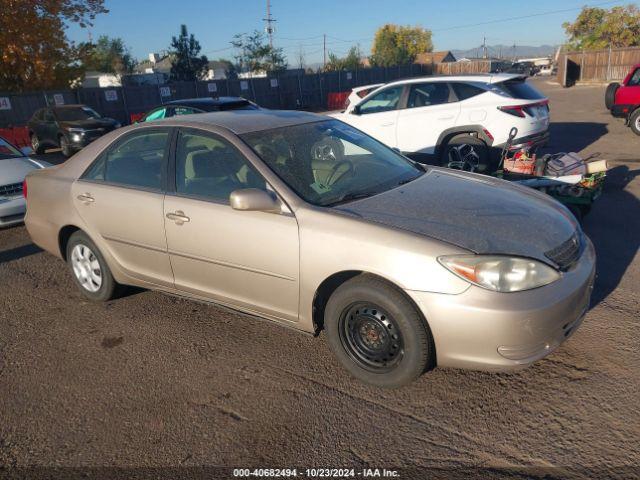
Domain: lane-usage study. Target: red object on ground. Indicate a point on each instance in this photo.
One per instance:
(18, 136)
(521, 163)
(335, 100)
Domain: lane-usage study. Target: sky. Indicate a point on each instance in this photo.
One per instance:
(147, 25)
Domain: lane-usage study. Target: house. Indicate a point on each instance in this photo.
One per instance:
(94, 79)
(429, 58)
(217, 70)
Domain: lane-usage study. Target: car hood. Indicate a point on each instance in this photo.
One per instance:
(90, 123)
(13, 170)
(477, 213)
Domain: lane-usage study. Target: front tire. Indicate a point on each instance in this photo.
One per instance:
(634, 122)
(377, 333)
(89, 269)
(36, 145)
(610, 95)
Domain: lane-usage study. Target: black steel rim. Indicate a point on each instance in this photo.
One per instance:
(371, 337)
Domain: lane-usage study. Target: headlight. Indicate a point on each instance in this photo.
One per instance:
(499, 273)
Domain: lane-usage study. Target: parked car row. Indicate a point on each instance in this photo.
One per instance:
(320, 226)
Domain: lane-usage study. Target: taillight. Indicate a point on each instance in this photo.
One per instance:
(515, 110)
(24, 188)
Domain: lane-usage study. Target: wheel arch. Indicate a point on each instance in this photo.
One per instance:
(474, 130)
(63, 238)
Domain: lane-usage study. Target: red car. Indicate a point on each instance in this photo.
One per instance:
(624, 100)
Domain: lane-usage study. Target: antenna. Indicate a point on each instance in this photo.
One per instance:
(269, 28)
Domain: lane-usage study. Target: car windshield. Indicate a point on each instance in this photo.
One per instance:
(328, 163)
(8, 151)
(76, 113)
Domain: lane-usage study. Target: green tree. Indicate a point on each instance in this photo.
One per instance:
(350, 62)
(186, 62)
(35, 53)
(598, 28)
(109, 55)
(255, 55)
(399, 45)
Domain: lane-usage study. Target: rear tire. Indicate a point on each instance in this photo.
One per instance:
(476, 148)
(610, 95)
(634, 121)
(89, 269)
(377, 333)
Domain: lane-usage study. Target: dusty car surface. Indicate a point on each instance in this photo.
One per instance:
(306, 221)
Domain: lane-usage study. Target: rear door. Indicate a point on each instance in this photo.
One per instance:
(431, 108)
(378, 114)
(120, 198)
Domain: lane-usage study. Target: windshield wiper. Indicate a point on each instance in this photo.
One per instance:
(350, 197)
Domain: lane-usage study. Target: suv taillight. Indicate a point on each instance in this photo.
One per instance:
(515, 110)
(24, 188)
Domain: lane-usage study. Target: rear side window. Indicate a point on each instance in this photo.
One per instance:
(427, 94)
(136, 161)
(465, 90)
(519, 89)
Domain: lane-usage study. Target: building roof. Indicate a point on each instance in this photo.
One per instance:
(435, 57)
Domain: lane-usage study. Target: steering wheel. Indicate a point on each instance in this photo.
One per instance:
(331, 180)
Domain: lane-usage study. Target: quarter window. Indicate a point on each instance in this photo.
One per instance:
(384, 101)
(208, 166)
(136, 161)
(634, 81)
(427, 94)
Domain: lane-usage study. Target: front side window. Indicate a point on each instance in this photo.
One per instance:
(136, 161)
(210, 167)
(427, 94)
(634, 81)
(327, 163)
(386, 100)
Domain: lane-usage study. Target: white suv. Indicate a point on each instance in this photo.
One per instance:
(435, 118)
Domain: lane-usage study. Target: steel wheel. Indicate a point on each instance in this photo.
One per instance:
(35, 143)
(371, 337)
(637, 123)
(86, 268)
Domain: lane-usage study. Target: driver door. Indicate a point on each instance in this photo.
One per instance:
(246, 259)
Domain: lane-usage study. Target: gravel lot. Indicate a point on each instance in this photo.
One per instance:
(155, 381)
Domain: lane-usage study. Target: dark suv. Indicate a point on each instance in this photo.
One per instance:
(70, 127)
(190, 106)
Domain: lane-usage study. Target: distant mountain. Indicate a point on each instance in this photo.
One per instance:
(507, 51)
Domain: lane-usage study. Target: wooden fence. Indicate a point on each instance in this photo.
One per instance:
(612, 64)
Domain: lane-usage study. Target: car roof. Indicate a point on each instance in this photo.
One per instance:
(245, 121)
(481, 77)
(207, 101)
(70, 105)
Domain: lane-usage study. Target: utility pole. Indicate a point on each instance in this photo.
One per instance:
(324, 51)
(269, 29)
(484, 47)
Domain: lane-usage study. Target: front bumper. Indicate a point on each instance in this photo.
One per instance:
(12, 211)
(622, 111)
(485, 330)
(79, 140)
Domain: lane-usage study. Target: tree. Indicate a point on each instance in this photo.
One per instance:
(598, 28)
(186, 62)
(34, 50)
(350, 62)
(255, 55)
(109, 55)
(399, 45)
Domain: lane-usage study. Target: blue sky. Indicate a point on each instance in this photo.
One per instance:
(147, 26)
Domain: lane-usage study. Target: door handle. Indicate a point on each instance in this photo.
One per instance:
(446, 118)
(389, 124)
(179, 217)
(86, 198)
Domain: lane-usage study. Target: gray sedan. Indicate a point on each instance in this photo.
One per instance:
(306, 221)
(14, 166)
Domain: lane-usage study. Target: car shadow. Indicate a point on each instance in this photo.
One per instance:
(573, 136)
(18, 252)
(614, 228)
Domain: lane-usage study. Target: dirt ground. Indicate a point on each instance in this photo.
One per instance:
(154, 381)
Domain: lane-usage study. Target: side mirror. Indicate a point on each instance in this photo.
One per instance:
(254, 199)
(26, 151)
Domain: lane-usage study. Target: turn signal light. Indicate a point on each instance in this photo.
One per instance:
(24, 188)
